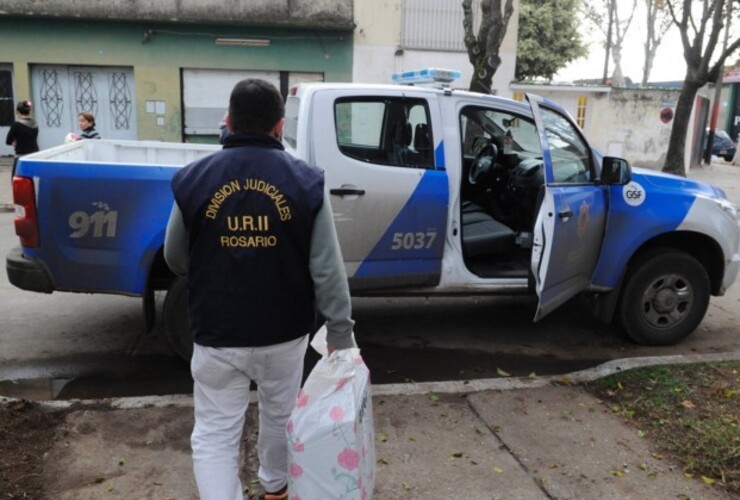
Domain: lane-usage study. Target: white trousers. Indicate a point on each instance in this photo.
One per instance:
(222, 378)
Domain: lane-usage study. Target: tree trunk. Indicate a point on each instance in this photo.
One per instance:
(483, 74)
(675, 157)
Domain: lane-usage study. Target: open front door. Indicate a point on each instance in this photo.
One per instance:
(569, 229)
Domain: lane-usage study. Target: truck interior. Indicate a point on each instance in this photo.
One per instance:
(502, 179)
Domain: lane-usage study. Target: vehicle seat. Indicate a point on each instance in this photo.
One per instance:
(482, 234)
(401, 140)
(422, 144)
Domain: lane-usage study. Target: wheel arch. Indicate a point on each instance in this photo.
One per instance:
(700, 246)
(160, 277)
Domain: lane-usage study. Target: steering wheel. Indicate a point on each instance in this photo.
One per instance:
(482, 163)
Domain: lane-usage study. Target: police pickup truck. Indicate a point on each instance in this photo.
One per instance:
(434, 192)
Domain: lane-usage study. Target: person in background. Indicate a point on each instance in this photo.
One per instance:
(86, 121)
(23, 133)
(258, 264)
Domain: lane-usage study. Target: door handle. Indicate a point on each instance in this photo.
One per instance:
(565, 214)
(346, 191)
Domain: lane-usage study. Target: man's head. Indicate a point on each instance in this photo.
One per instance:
(256, 106)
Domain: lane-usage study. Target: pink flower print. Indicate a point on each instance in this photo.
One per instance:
(336, 414)
(302, 399)
(295, 471)
(358, 360)
(342, 382)
(298, 446)
(290, 427)
(348, 459)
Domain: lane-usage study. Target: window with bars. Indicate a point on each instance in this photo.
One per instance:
(435, 24)
(581, 111)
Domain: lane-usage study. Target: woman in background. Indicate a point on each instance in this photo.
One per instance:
(86, 121)
(23, 133)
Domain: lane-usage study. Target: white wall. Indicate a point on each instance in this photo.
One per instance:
(621, 122)
(630, 120)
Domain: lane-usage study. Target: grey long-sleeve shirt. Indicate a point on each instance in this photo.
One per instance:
(326, 267)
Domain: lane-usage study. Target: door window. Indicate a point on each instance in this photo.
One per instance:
(570, 154)
(510, 133)
(385, 131)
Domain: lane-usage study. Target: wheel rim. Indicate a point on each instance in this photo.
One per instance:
(667, 301)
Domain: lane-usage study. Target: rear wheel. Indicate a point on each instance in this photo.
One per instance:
(175, 313)
(665, 297)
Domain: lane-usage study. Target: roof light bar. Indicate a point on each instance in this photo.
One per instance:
(426, 75)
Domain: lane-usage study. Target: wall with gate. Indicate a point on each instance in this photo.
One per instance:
(132, 71)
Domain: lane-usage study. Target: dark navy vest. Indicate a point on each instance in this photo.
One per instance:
(249, 210)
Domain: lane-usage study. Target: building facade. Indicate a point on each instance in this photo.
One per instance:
(160, 70)
(402, 35)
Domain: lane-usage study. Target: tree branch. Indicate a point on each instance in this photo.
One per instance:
(471, 43)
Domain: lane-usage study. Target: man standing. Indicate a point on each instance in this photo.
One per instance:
(252, 230)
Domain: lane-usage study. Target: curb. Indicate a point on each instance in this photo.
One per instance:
(410, 389)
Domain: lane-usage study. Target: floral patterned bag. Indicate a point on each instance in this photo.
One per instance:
(331, 440)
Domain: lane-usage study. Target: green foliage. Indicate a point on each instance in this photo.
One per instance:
(548, 37)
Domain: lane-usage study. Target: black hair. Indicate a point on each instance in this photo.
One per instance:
(23, 107)
(255, 106)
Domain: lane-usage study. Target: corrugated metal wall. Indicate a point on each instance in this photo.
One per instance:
(435, 24)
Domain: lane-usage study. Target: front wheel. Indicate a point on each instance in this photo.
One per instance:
(175, 314)
(665, 297)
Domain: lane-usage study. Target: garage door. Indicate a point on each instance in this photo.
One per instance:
(206, 95)
(62, 92)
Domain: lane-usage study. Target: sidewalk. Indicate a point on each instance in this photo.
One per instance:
(6, 193)
(530, 439)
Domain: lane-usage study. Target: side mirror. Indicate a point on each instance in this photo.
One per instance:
(615, 171)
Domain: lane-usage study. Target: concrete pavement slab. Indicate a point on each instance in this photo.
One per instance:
(574, 447)
(431, 446)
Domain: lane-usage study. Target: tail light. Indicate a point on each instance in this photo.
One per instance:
(26, 216)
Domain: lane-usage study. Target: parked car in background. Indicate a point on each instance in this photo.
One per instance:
(722, 145)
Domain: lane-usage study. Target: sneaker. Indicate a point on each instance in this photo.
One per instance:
(278, 495)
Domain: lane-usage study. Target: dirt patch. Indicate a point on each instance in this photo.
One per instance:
(26, 433)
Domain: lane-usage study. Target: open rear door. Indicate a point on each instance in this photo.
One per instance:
(569, 229)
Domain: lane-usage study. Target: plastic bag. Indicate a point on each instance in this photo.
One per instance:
(331, 439)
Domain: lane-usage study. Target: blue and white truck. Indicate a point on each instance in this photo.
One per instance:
(434, 192)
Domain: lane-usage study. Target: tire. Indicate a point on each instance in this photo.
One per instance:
(175, 312)
(150, 309)
(665, 297)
